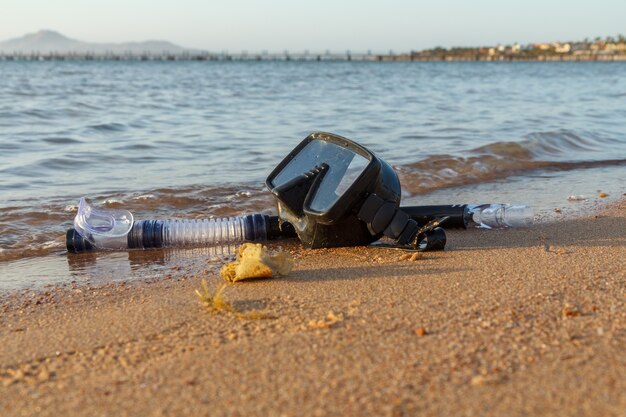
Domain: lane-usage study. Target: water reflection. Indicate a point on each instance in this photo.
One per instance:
(106, 266)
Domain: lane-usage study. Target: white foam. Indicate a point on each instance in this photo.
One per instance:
(112, 201)
(144, 197)
(52, 244)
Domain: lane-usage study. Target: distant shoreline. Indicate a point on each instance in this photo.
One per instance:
(49, 45)
(205, 56)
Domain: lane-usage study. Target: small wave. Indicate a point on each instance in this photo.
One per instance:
(136, 147)
(559, 142)
(24, 93)
(559, 150)
(61, 141)
(85, 105)
(108, 127)
(28, 233)
(61, 163)
(9, 115)
(38, 114)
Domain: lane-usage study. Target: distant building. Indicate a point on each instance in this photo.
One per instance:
(615, 47)
(597, 46)
(562, 48)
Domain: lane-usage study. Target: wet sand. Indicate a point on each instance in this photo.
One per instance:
(503, 323)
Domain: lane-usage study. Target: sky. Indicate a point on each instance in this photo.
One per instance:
(317, 25)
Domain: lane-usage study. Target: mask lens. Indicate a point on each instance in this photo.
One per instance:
(340, 177)
(345, 166)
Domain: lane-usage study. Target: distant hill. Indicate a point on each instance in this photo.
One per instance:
(46, 41)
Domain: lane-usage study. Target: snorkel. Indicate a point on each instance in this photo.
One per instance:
(116, 230)
(329, 191)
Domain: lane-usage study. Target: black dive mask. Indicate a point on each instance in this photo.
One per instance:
(337, 193)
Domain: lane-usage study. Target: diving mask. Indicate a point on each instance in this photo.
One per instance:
(335, 193)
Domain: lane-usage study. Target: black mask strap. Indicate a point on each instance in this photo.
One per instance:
(383, 217)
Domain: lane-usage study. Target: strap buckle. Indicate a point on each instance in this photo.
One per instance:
(384, 217)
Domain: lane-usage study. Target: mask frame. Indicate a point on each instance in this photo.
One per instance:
(388, 187)
(338, 224)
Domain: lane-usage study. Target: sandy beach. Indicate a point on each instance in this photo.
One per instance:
(502, 323)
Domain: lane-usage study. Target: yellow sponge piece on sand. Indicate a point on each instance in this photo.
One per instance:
(255, 261)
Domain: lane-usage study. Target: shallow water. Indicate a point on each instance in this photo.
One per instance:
(197, 139)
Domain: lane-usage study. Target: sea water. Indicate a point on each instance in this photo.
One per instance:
(197, 139)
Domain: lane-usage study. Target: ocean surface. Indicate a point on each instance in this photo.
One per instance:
(197, 139)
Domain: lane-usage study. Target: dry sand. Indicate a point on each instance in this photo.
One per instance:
(503, 323)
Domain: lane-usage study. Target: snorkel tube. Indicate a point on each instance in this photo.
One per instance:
(116, 230)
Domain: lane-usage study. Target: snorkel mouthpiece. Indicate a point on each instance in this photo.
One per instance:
(102, 228)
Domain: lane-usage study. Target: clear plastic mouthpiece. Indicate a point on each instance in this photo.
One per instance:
(103, 228)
